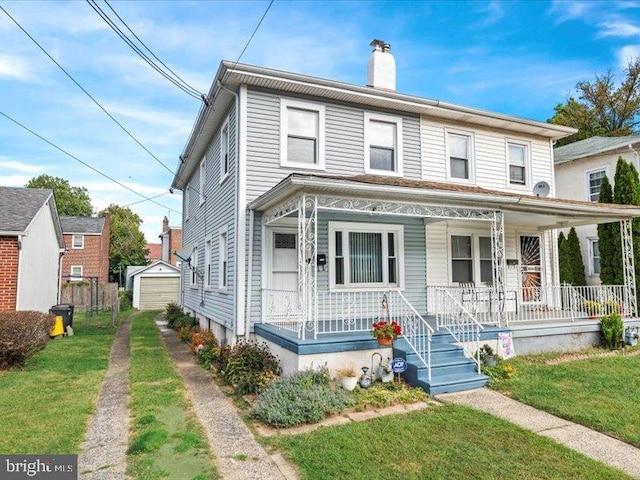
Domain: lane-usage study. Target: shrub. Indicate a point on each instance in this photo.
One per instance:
(250, 367)
(612, 327)
(499, 373)
(172, 312)
(21, 335)
(185, 332)
(200, 339)
(126, 299)
(305, 397)
(184, 320)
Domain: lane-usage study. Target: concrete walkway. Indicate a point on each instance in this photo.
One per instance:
(103, 452)
(582, 439)
(239, 455)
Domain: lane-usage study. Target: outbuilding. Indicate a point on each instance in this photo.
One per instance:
(155, 285)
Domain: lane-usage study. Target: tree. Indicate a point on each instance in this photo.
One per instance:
(564, 263)
(627, 192)
(605, 108)
(607, 239)
(73, 201)
(127, 241)
(576, 264)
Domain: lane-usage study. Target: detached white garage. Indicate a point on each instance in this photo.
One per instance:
(155, 285)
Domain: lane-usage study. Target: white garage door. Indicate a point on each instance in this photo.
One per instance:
(156, 292)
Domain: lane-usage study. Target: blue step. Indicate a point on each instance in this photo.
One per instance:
(451, 371)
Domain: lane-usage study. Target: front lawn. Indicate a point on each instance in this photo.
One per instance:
(602, 393)
(45, 407)
(448, 441)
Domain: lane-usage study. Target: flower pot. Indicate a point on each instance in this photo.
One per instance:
(490, 361)
(349, 383)
(386, 341)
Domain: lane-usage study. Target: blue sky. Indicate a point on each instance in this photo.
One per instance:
(517, 58)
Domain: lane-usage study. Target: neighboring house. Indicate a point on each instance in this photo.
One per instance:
(580, 168)
(155, 252)
(312, 208)
(171, 241)
(87, 248)
(31, 244)
(154, 286)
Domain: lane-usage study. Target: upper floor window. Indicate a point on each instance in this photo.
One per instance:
(460, 157)
(202, 180)
(77, 241)
(302, 134)
(76, 273)
(383, 144)
(594, 180)
(224, 152)
(194, 267)
(366, 255)
(518, 163)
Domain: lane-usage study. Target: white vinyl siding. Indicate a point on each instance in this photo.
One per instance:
(383, 144)
(202, 180)
(77, 241)
(224, 151)
(302, 134)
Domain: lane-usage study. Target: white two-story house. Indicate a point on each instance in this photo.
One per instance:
(313, 208)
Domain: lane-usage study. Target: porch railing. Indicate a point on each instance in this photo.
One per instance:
(535, 304)
(460, 323)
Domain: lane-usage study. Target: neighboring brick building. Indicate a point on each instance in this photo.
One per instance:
(30, 247)
(155, 252)
(171, 239)
(87, 248)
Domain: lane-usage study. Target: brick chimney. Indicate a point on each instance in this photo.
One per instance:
(165, 224)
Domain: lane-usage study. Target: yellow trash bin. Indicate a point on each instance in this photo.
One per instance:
(58, 327)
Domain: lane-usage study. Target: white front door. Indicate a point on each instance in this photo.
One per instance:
(284, 261)
(530, 268)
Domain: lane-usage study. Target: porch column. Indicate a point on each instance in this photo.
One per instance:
(628, 267)
(497, 251)
(307, 256)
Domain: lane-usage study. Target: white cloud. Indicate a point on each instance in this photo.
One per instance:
(565, 11)
(628, 54)
(492, 12)
(21, 166)
(619, 28)
(16, 68)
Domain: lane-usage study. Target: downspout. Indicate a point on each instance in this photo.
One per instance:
(247, 319)
(18, 277)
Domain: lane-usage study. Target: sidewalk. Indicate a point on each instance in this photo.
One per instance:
(239, 456)
(103, 452)
(582, 439)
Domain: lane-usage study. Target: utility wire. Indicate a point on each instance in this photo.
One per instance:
(146, 199)
(86, 92)
(175, 79)
(8, 117)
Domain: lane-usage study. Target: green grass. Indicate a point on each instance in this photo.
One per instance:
(45, 408)
(601, 393)
(449, 441)
(166, 441)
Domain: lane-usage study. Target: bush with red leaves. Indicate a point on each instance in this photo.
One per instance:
(21, 335)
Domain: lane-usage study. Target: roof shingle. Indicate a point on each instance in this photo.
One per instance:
(19, 205)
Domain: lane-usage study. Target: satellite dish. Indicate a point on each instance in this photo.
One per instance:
(541, 189)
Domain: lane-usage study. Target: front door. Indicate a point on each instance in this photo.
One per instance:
(284, 261)
(530, 268)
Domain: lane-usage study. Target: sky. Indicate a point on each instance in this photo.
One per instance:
(519, 58)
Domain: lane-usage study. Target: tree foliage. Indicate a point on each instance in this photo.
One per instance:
(73, 201)
(563, 260)
(127, 241)
(608, 238)
(604, 106)
(570, 259)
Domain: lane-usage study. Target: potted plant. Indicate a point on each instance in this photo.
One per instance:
(631, 336)
(488, 356)
(348, 377)
(592, 308)
(386, 332)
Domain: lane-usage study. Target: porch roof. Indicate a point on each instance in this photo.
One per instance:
(546, 213)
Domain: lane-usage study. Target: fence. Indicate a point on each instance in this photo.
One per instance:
(89, 296)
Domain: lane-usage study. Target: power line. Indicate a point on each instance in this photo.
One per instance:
(255, 30)
(86, 92)
(147, 199)
(172, 76)
(8, 117)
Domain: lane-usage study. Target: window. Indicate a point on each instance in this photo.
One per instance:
(460, 161)
(595, 257)
(383, 144)
(486, 260)
(224, 261)
(194, 267)
(76, 273)
(302, 134)
(461, 259)
(207, 262)
(594, 180)
(77, 241)
(518, 159)
(203, 179)
(224, 152)
(366, 255)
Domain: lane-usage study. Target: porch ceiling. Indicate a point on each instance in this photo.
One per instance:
(543, 213)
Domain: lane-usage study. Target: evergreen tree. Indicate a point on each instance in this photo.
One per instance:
(607, 238)
(566, 273)
(576, 264)
(627, 192)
